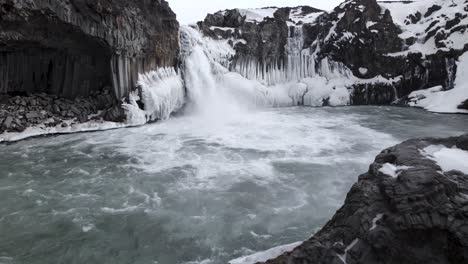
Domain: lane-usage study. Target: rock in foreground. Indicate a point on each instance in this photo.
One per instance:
(411, 207)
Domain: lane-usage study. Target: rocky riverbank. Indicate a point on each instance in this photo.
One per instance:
(80, 75)
(410, 207)
(29, 110)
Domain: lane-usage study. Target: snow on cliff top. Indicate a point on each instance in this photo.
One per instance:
(444, 13)
(258, 14)
(297, 14)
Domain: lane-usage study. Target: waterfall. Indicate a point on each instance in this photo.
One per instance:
(206, 87)
(210, 92)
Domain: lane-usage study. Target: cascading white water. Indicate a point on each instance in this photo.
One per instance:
(214, 91)
(203, 77)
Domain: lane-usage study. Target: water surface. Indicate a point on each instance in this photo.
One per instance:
(193, 190)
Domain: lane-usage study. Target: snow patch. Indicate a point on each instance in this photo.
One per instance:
(265, 255)
(375, 220)
(392, 170)
(448, 158)
(258, 14)
(348, 248)
(363, 71)
(297, 16)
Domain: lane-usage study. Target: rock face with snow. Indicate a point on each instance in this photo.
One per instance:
(410, 207)
(382, 50)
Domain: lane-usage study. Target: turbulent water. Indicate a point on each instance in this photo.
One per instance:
(191, 189)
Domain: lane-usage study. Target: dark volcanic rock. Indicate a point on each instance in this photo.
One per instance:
(73, 47)
(264, 42)
(357, 34)
(19, 112)
(87, 51)
(419, 215)
(464, 105)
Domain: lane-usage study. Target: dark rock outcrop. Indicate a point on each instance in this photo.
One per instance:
(73, 47)
(263, 42)
(418, 215)
(357, 34)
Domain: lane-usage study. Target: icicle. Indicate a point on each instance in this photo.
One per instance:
(162, 93)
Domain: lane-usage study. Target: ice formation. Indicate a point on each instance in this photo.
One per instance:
(161, 93)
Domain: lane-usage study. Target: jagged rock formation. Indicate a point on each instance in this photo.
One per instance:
(392, 48)
(406, 209)
(73, 47)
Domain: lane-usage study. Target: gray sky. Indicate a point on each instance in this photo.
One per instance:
(189, 11)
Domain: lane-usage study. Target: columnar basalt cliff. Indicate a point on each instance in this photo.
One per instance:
(411, 207)
(91, 50)
(73, 47)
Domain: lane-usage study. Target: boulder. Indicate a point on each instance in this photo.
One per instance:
(405, 209)
(8, 122)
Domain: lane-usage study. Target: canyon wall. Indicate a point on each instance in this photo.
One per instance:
(72, 47)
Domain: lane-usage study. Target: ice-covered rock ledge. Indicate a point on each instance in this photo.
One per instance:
(410, 207)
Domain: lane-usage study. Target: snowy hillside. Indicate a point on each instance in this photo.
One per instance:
(431, 25)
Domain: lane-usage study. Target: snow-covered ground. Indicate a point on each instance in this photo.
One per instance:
(298, 17)
(437, 100)
(71, 128)
(265, 255)
(258, 14)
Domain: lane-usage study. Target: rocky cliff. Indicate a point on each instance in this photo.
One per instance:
(73, 59)
(385, 49)
(410, 207)
(73, 47)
